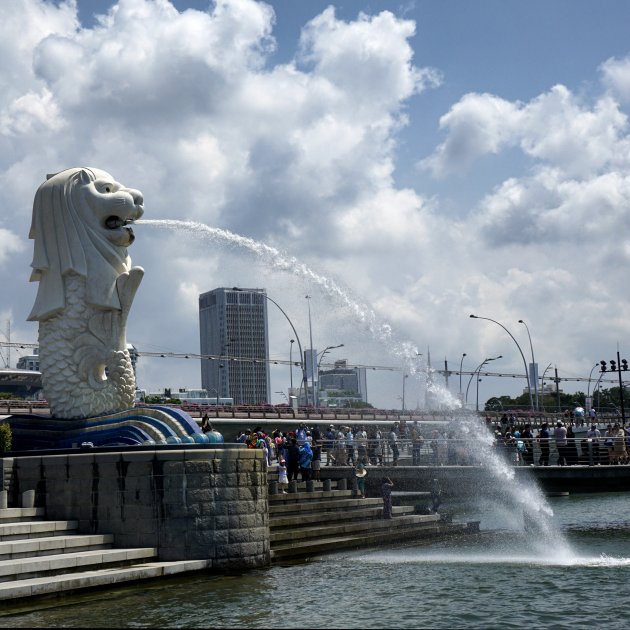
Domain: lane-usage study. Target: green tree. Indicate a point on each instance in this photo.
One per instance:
(357, 404)
(5, 437)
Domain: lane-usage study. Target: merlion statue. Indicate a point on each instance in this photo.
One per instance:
(81, 232)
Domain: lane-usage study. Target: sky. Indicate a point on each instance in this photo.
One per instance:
(405, 164)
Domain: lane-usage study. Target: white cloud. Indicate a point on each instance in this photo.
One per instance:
(554, 127)
(478, 124)
(616, 76)
(188, 107)
(10, 243)
(370, 57)
(31, 114)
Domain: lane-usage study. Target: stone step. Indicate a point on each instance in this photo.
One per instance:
(318, 486)
(312, 547)
(352, 528)
(389, 535)
(297, 521)
(35, 529)
(50, 545)
(309, 497)
(56, 564)
(15, 515)
(72, 582)
(331, 505)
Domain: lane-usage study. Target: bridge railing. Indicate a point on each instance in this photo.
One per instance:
(443, 451)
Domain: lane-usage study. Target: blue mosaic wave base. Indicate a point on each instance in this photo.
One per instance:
(147, 425)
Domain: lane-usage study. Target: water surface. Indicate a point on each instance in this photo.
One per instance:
(499, 579)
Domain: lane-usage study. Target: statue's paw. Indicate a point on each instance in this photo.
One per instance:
(127, 284)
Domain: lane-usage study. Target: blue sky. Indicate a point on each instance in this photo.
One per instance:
(432, 158)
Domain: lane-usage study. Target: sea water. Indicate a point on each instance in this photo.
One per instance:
(491, 580)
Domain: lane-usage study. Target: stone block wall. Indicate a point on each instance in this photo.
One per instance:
(190, 503)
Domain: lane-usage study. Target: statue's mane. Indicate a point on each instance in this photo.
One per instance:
(64, 242)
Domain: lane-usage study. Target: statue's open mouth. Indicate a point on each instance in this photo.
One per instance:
(114, 223)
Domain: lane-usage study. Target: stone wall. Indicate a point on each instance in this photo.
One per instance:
(208, 502)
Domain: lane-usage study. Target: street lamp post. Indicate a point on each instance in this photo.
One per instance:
(310, 334)
(324, 351)
(588, 388)
(405, 377)
(599, 393)
(477, 371)
(302, 362)
(542, 383)
(618, 366)
(461, 363)
(535, 371)
(291, 362)
(220, 365)
(477, 401)
(529, 386)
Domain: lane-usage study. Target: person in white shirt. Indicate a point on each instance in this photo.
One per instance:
(593, 435)
(560, 435)
(361, 440)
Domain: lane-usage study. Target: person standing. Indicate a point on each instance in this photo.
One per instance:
(560, 436)
(372, 447)
(380, 446)
(293, 459)
(393, 445)
(305, 459)
(528, 441)
(593, 435)
(329, 445)
(350, 457)
(316, 435)
(417, 442)
(571, 453)
(361, 440)
(301, 434)
(205, 424)
(340, 448)
(619, 445)
(386, 490)
(543, 442)
(434, 447)
(316, 463)
(283, 480)
(360, 473)
(436, 496)
(608, 443)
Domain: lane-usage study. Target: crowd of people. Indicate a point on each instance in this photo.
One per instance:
(522, 446)
(304, 450)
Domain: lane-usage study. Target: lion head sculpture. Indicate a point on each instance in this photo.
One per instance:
(80, 224)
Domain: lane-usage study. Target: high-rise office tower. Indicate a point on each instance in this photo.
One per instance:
(233, 325)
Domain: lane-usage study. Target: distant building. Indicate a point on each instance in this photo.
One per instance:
(22, 383)
(233, 325)
(342, 385)
(29, 361)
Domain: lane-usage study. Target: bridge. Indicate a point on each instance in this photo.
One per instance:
(25, 383)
